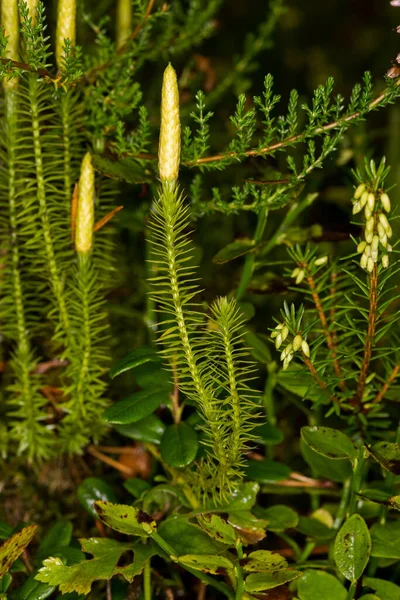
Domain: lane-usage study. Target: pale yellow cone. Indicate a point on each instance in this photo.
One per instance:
(66, 27)
(85, 210)
(124, 22)
(169, 150)
(10, 23)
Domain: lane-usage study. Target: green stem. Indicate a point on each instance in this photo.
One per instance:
(53, 268)
(269, 404)
(170, 204)
(66, 126)
(250, 258)
(344, 500)
(239, 572)
(352, 591)
(31, 433)
(147, 580)
(290, 542)
(358, 469)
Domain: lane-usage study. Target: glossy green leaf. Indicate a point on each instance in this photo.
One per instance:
(35, 590)
(164, 497)
(258, 582)
(126, 519)
(134, 359)
(14, 547)
(92, 489)
(263, 561)
(318, 584)
(334, 470)
(388, 456)
(136, 406)
(123, 169)
(148, 430)
(217, 528)
(186, 538)
(5, 530)
(234, 250)
(352, 548)
(386, 590)
(314, 528)
(179, 445)
(331, 443)
(59, 535)
(104, 565)
(386, 540)
(269, 434)
(136, 486)
(243, 498)
(266, 471)
(153, 375)
(279, 517)
(370, 597)
(207, 563)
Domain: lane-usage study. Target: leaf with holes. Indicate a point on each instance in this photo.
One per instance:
(207, 563)
(258, 582)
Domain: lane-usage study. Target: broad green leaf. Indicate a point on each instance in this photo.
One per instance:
(388, 456)
(263, 561)
(314, 528)
(136, 406)
(235, 249)
(266, 471)
(269, 434)
(164, 497)
(5, 530)
(394, 502)
(152, 375)
(257, 582)
(331, 443)
(141, 554)
(217, 528)
(386, 590)
(104, 564)
(179, 445)
(35, 590)
(126, 519)
(243, 498)
(134, 359)
(207, 563)
(136, 486)
(186, 538)
(318, 584)
(14, 547)
(370, 597)
(333, 470)
(5, 583)
(257, 347)
(92, 489)
(58, 536)
(352, 548)
(148, 430)
(279, 517)
(299, 382)
(123, 169)
(386, 540)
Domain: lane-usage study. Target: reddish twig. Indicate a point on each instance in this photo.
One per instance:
(378, 398)
(324, 322)
(110, 461)
(320, 382)
(107, 218)
(373, 305)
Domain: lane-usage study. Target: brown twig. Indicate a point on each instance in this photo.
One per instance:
(373, 304)
(320, 382)
(110, 461)
(108, 590)
(25, 67)
(324, 322)
(290, 140)
(378, 398)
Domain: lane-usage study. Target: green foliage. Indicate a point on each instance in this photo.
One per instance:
(244, 476)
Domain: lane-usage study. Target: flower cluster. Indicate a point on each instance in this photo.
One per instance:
(377, 227)
(300, 272)
(280, 334)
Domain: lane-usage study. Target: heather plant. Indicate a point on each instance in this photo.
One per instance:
(245, 470)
